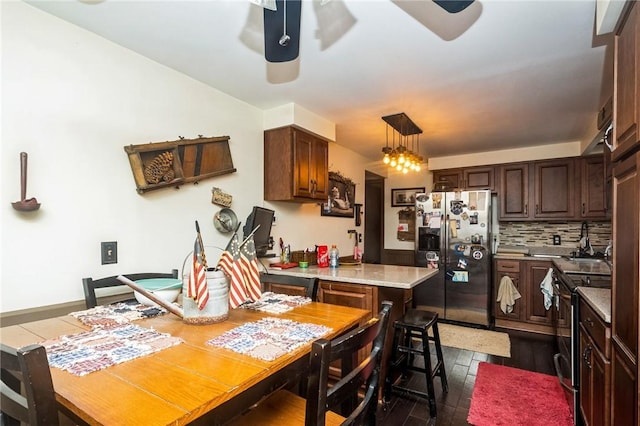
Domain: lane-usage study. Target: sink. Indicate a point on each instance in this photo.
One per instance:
(549, 256)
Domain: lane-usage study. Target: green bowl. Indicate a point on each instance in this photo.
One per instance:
(151, 284)
(166, 289)
(303, 264)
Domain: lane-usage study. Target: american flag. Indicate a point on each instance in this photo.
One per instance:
(250, 271)
(198, 288)
(229, 263)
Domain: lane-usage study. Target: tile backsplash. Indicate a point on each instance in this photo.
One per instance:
(540, 234)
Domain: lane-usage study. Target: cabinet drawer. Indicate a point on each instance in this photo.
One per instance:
(596, 327)
(503, 265)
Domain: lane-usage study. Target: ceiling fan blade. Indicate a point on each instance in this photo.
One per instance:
(267, 4)
(282, 42)
(453, 6)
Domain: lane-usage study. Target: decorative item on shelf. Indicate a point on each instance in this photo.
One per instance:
(225, 221)
(25, 205)
(406, 156)
(342, 195)
(401, 197)
(220, 197)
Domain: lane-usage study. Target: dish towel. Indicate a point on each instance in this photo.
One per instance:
(507, 294)
(546, 287)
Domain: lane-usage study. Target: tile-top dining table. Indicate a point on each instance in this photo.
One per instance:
(190, 383)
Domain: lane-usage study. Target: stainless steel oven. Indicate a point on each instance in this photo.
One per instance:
(567, 359)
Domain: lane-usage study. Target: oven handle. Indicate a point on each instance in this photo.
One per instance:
(556, 363)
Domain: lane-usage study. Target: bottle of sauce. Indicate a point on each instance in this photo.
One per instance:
(334, 256)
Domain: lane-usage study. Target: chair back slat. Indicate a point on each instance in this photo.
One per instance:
(27, 388)
(321, 397)
(90, 285)
(282, 282)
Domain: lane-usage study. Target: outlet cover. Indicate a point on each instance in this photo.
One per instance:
(109, 251)
(556, 240)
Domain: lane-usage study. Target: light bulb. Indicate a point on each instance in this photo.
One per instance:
(386, 159)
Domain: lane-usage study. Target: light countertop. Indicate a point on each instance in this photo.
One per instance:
(566, 265)
(599, 299)
(402, 277)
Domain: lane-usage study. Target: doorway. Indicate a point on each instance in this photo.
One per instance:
(373, 217)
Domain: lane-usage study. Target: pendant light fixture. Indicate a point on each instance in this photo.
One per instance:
(403, 158)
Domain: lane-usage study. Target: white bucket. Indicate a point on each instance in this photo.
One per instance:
(217, 307)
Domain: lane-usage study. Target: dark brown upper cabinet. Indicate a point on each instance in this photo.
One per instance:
(296, 165)
(572, 188)
(469, 178)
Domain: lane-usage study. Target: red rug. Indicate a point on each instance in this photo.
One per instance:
(510, 396)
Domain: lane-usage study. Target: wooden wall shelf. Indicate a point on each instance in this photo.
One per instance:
(193, 160)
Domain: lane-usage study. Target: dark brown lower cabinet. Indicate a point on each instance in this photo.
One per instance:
(595, 367)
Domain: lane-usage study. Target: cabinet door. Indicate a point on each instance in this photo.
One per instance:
(310, 166)
(479, 178)
(352, 295)
(534, 274)
(554, 183)
(594, 382)
(627, 90)
(593, 183)
(447, 179)
(625, 286)
(600, 400)
(586, 385)
(516, 314)
(320, 169)
(514, 191)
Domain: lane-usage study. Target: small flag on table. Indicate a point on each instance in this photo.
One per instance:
(250, 271)
(197, 287)
(229, 263)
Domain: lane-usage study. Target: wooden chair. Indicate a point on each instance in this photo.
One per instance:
(90, 285)
(285, 408)
(27, 388)
(288, 284)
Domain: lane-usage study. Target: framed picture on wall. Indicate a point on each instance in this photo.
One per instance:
(403, 197)
(342, 197)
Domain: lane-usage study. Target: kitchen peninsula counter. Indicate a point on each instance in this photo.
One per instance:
(393, 276)
(365, 286)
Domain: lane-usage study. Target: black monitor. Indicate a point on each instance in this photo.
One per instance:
(264, 218)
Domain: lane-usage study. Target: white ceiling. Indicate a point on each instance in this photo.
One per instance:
(500, 74)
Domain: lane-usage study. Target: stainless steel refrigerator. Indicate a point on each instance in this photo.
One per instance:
(453, 235)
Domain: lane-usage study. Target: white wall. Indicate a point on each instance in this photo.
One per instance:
(72, 101)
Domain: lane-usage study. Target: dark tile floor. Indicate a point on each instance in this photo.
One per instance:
(529, 351)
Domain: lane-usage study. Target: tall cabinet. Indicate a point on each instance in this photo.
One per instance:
(626, 220)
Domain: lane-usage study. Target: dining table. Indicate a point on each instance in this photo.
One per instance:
(190, 383)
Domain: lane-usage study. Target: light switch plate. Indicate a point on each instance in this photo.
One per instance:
(109, 251)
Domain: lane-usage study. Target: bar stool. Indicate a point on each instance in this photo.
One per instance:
(415, 325)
